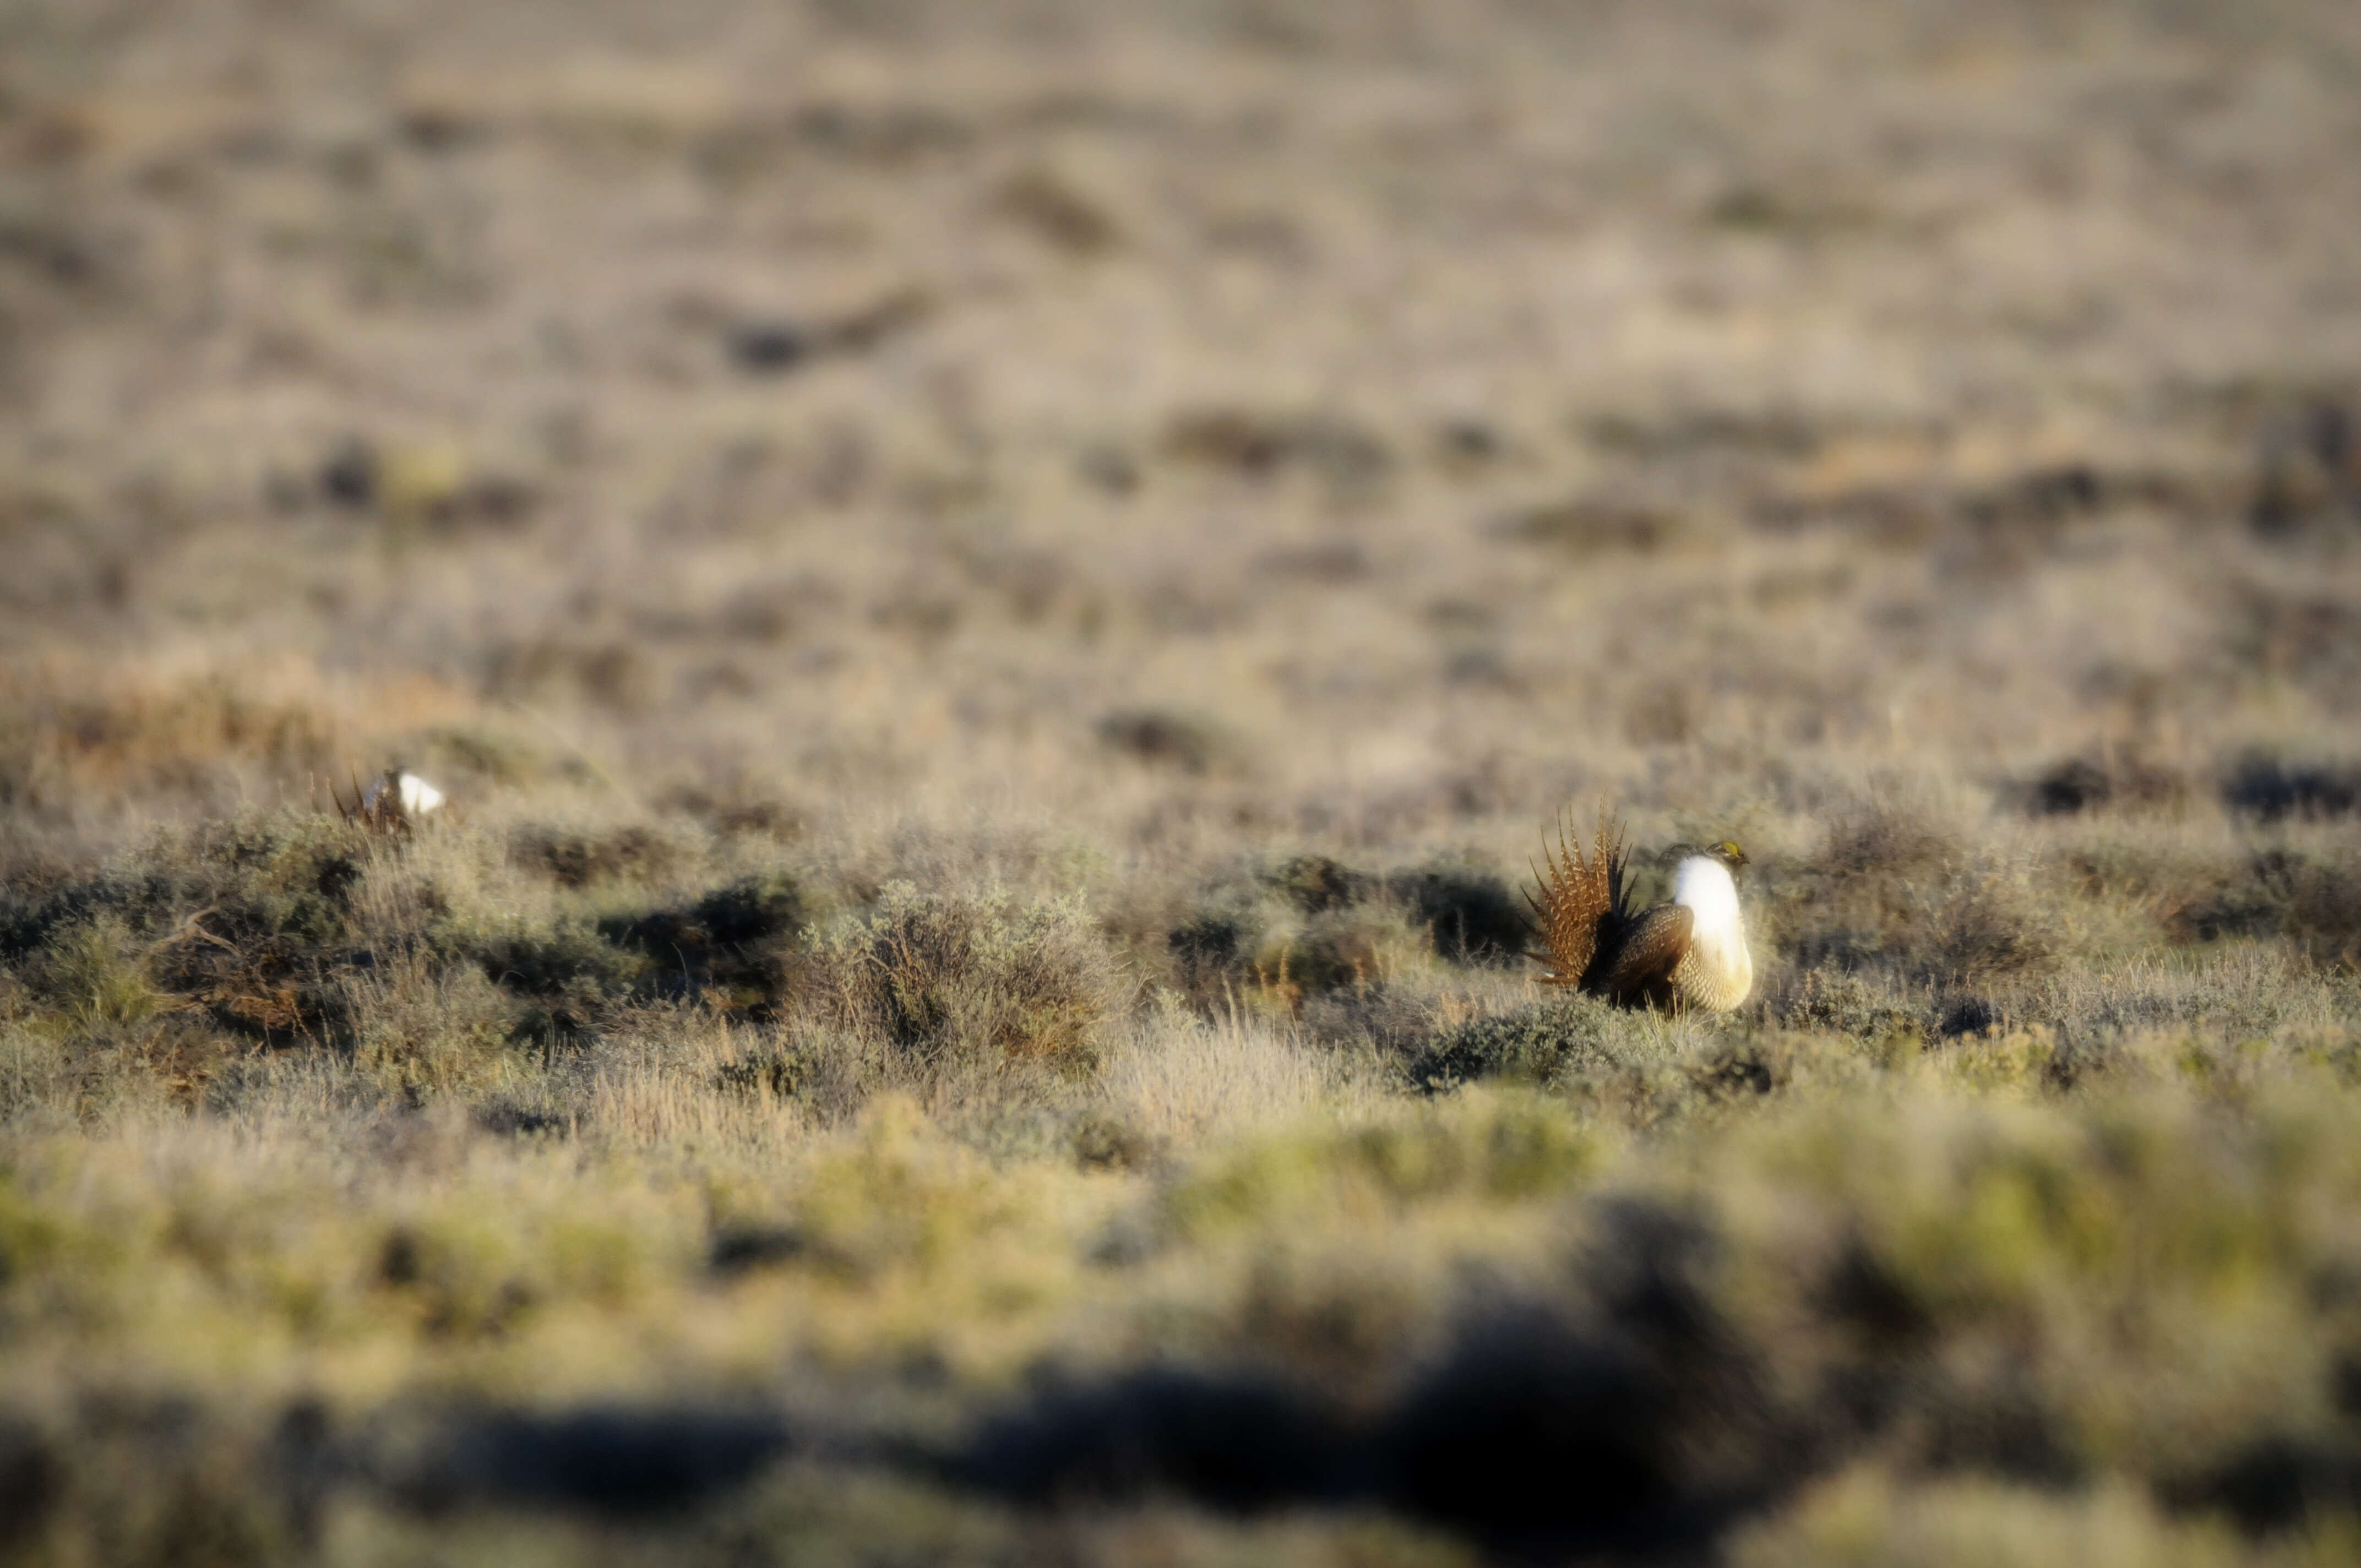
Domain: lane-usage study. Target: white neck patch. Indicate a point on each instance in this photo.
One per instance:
(1702, 886)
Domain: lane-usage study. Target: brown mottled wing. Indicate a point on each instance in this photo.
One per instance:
(1641, 967)
(1578, 896)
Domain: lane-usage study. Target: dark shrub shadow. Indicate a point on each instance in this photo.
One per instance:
(1639, 1425)
(1473, 917)
(1234, 1438)
(2273, 790)
(608, 1461)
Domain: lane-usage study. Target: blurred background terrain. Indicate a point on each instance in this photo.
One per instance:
(1002, 593)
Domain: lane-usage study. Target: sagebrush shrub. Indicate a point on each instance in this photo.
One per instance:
(1891, 891)
(96, 971)
(581, 858)
(1534, 1044)
(1989, 926)
(1845, 1005)
(249, 919)
(1884, 842)
(2308, 898)
(736, 944)
(1472, 916)
(950, 982)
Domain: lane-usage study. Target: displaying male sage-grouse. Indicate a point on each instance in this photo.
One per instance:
(1688, 953)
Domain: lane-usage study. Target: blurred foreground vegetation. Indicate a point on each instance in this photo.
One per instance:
(376, 1193)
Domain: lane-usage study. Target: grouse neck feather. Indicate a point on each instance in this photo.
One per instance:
(1717, 972)
(1703, 886)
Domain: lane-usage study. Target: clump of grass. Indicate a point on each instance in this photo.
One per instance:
(782, 1073)
(95, 972)
(1317, 884)
(1261, 445)
(1892, 892)
(1212, 950)
(2274, 789)
(2120, 781)
(567, 973)
(1493, 1146)
(1861, 896)
(421, 961)
(1886, 842)
(1868, 1518)
(1538, 1044)
(580, 858)
(954, 985)
(1843, 1003)
(1953, 1222)
(250, 920)
(422, 1029)
(1308, 928)
(199, 1496)
(1472, 916)
(1163, 738)
(1639, 1069)
(1990, 925)
(2292, 891)
(737, 947)
(1052, 208)
(1355, 948)
(1177, 1076)
(64, 743)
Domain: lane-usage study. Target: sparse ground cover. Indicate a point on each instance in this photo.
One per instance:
(1002, 596)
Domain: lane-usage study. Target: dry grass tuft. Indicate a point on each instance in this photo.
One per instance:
(579, 859)
(955, 985)
(2313, 902)
(1169, 739)
(1989, 926)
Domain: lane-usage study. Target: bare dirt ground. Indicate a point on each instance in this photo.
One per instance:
(1003, 594)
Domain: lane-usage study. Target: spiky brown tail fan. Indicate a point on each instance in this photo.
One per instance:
(1580, 898)
(376, 807)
